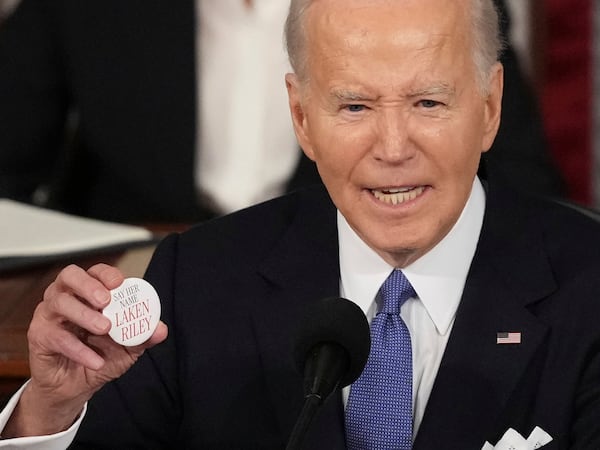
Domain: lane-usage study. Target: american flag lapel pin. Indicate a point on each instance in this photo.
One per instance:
(508, 337)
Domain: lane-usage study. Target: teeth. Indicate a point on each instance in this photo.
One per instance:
(395, 191)
(396, 196)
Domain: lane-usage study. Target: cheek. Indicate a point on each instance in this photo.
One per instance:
(452, 146)
(340, 147)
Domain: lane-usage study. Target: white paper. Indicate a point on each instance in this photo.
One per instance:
(30, 231)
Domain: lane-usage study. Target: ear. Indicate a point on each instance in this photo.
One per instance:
(493, 106)
(296, 95)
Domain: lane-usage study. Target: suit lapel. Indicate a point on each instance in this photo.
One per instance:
(302, 268)
(477, 376)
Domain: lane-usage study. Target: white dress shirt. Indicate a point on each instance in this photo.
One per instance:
(246, 146)
(438, 278)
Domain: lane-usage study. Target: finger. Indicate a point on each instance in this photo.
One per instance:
(159, 335)
(110, 276)
(66, 307)
(74, 279)
(119, 358)
(62, 342)
(75, 350)
(113, 351)
(104, 346)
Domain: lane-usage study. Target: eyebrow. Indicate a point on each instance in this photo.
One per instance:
(344, 95)
(437, 89)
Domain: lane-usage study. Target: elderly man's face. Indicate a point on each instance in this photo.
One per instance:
(393, 115)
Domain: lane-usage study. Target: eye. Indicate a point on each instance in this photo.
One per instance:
(428, 103)
(355, 108)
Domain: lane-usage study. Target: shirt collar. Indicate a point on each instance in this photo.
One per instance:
(438, 277)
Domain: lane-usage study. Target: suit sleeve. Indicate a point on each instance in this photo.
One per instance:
(33, 98)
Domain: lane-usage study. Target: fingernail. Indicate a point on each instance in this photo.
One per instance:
(102, 324)
(101, 297)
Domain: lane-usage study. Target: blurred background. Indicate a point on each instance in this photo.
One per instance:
(557, 42)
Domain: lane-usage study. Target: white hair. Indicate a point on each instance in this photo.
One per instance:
(486, 38)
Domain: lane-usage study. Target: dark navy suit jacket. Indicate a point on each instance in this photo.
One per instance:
(232, 290)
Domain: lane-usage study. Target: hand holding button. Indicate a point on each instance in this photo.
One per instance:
(71, 351)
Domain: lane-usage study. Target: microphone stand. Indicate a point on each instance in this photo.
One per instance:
(312, 402)
(325, 366)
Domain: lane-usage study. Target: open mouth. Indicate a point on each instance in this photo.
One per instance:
(397, 196)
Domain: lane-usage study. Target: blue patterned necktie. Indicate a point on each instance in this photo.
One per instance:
(379, 410)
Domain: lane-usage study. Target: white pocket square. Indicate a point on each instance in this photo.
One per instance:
(512, 440)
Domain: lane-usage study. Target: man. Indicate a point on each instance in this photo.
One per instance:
(395, 102)
(175, 111)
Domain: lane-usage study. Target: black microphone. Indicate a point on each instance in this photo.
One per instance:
(331, 347)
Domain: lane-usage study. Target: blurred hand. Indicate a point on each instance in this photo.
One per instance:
(71, 355)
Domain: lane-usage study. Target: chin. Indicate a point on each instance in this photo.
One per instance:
(398, 254)
(401, 257)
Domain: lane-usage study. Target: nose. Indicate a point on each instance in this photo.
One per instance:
(393, 144)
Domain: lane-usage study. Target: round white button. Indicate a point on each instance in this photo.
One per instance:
(134, 312)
